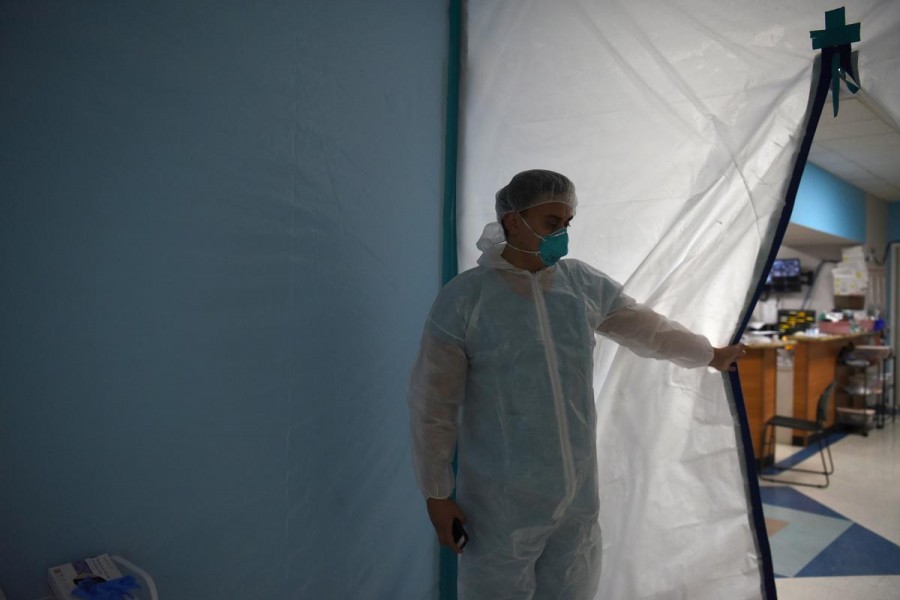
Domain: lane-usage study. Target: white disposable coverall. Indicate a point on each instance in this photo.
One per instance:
(505, 371)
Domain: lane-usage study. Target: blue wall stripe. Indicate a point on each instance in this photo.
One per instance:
(894, 221)
(827, 203)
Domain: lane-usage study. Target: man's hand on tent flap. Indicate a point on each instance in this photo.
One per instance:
(725, 357)
(442, 512)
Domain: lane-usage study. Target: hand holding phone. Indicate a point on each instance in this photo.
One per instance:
(460, 537)
(448, 521)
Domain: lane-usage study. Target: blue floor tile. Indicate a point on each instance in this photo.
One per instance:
(791, 498)
(804, 537)
(857, 551)
(814, 544)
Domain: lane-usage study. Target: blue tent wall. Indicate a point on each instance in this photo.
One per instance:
(220, 236)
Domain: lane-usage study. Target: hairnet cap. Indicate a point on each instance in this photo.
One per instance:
(530, 188)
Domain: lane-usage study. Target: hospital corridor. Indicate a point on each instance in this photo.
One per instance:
(841, 542)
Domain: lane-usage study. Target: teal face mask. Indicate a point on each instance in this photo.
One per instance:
(553, 247)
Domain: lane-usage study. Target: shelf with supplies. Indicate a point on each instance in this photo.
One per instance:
(816, 365)
(865, 388)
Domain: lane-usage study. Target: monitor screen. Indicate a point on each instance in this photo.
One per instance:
(785, 267)
(784, 275)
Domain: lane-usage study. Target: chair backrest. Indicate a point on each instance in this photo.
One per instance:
(824, 403)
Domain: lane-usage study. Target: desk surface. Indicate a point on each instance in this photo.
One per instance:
(764, 345)
(828, 337)
(799, 338)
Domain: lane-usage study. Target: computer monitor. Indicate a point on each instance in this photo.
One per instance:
(784, 275)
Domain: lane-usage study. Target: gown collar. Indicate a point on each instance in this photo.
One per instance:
(492, 243)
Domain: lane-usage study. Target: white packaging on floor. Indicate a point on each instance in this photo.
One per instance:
(65, 578)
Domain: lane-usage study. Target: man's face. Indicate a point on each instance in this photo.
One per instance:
(549, 218)
(544, 219)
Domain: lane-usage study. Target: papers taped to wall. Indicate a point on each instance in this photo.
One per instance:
(851, 275)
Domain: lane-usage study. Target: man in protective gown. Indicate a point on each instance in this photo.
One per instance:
(504, 374)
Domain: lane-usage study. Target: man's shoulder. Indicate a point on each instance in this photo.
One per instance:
(469, 278)
(580, 268)
(454, 302)
(461, 291)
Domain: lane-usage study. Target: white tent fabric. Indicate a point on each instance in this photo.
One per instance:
(679, 123)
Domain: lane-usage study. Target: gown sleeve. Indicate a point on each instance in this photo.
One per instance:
(436, 391)
(639, 328)
(651, 335)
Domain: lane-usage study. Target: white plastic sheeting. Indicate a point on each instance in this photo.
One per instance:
(679, 123)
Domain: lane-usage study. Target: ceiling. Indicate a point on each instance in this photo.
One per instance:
(861, 145)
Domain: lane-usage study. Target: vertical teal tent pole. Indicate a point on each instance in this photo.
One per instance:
(450, 267)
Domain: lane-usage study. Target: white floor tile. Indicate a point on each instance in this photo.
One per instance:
(826, 588)
(888, 588)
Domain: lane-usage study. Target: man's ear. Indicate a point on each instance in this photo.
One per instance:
(511, 223)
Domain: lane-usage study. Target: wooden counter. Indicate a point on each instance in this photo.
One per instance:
(758, 371)
(815, 362)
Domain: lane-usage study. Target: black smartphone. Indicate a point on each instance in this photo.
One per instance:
(460, 537)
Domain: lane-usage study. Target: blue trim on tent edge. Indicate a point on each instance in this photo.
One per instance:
(759, 523)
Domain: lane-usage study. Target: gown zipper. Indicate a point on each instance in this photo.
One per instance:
(565, 448)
